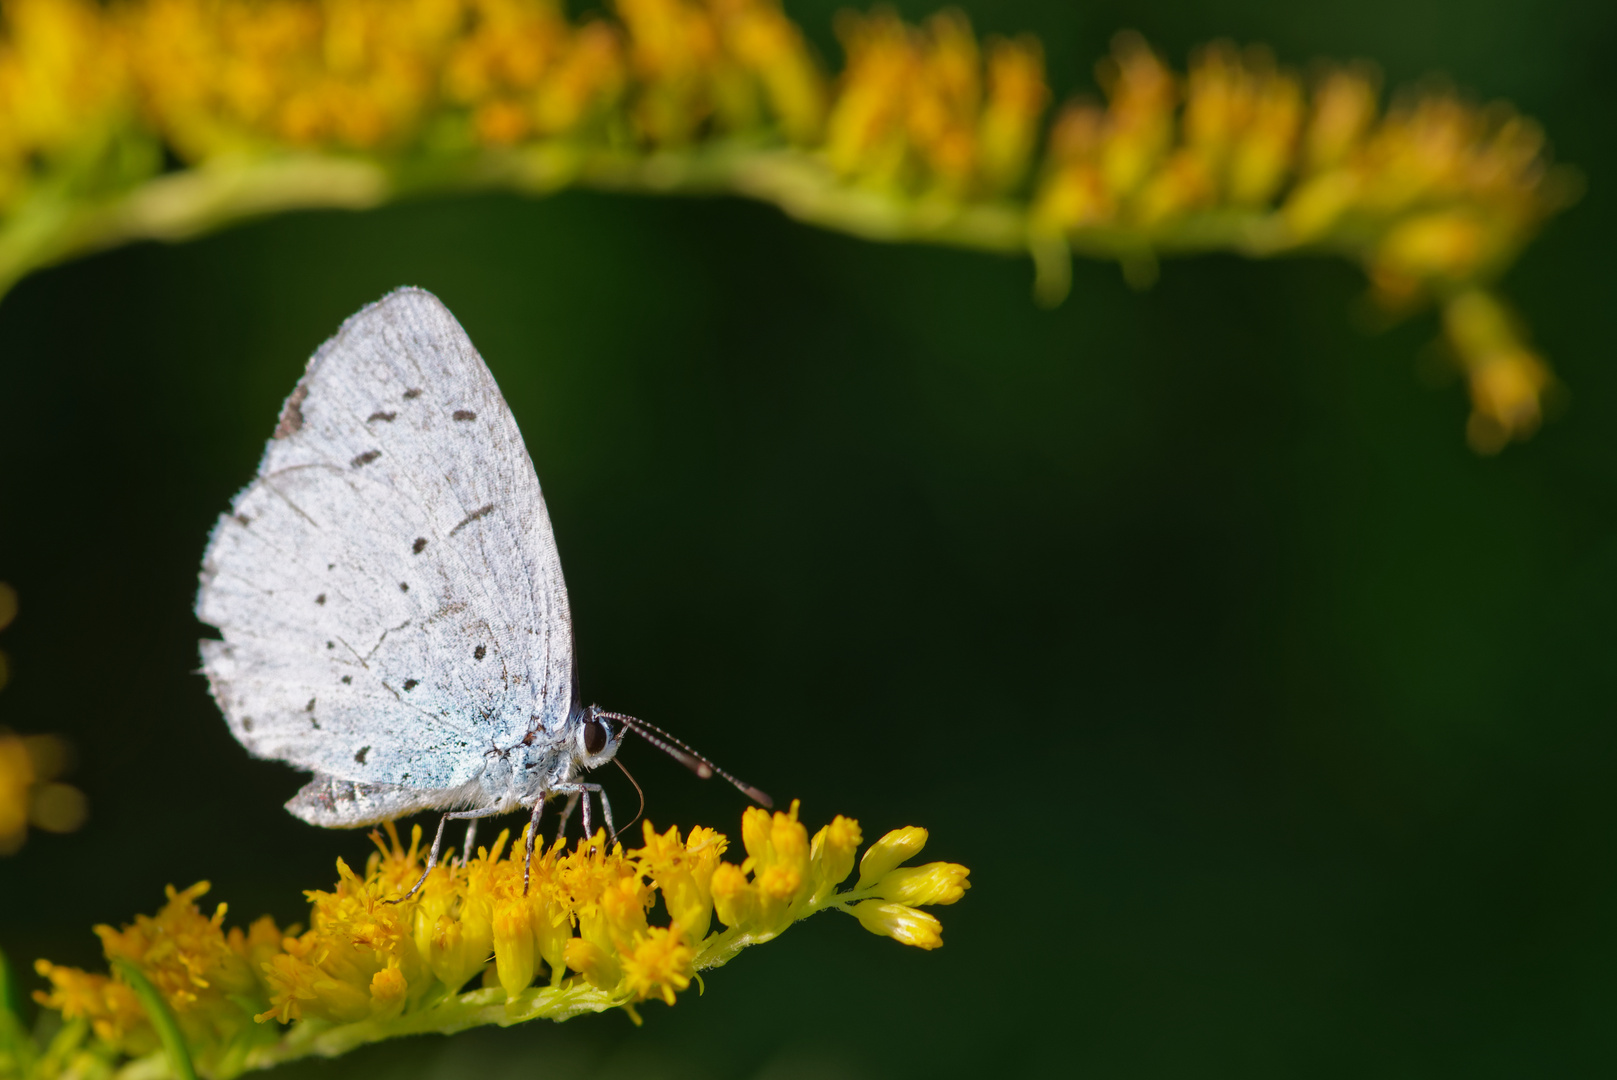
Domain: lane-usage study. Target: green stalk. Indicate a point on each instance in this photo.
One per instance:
(52, 226)
(168, 1033)
(17, 1048)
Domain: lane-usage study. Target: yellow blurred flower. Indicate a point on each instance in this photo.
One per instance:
(912, 111)
(1507, 379)
(109, 1006)
(63, 85)
(30, 793)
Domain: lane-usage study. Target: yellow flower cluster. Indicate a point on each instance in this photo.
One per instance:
(1442, 191)
(1433, 197)
(222, 77)
(30, 794)
(63, 88)
(586, 931)
(926, 133)
(913, 110)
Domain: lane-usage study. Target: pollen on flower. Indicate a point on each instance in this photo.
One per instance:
(111, 1008)
(587, 935)
(660, 964)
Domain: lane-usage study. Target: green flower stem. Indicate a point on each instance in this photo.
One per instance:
(168, 1033)
(477, 1008)
(16, 1048)
(52, 226)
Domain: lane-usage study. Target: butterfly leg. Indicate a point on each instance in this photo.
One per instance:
(567, 814)
(584, 790)
(437, 845)
(471, 838)
(533, 834)
(606, 812)
(432, 861)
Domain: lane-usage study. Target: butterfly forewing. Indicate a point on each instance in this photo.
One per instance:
(388, 590)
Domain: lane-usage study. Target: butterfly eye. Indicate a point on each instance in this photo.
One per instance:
(595, 736)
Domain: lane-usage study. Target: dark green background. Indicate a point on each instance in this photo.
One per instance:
(1275, 726)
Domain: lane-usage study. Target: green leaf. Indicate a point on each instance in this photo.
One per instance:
(16, 1046)
(162, 1020)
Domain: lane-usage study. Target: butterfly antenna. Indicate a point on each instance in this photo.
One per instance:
(637, 791)
(687, 757)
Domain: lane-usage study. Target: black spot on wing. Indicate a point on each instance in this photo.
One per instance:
(419, 545)
(464, 414)
(366, 458)
(331, 644)
(380, 415)
(411, 394)
(243, 520)
(247, 723)
(360, 756)
(479, 652)
(471, 517)
(310, 706)
(411, 684)
(321, 599)
(347, 680)
(404, 586)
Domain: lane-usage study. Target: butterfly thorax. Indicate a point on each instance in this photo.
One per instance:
(515, 777)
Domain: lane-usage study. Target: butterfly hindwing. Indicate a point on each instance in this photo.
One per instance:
(388, 590)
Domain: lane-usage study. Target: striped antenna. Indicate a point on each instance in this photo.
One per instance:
(687, 757)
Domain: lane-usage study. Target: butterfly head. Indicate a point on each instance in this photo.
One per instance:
(598, 735)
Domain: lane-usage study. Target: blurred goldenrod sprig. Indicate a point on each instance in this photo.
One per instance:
(927, 134)
(30, 793)
(186, 993)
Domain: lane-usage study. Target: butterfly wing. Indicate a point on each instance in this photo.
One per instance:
(388, 590)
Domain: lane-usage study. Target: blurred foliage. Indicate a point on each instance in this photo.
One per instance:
(926, 134)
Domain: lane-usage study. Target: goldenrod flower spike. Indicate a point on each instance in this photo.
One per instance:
(580, 939)
(924, 135)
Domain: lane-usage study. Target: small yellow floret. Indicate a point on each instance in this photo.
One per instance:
(112, 1009)
(595, 963)
(900, 922)
(660, 964)
(934, 883)
(514, 945)
(888, 852)
(831, 854)
(734, 899)
(388, 988)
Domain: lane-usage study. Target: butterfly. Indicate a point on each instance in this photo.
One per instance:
(390, 600)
